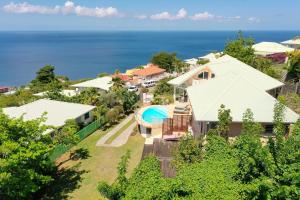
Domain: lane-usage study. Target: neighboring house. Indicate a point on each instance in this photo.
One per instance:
(101, 84)
(123, 77)
(67, 93)
(269, 48)
(56, 112)
(237, 94)
(293, 43)
(233, 83)
(130, 72)
(276, 52)
(210, 57)
(4, 89)
(151, 72)
(191, 61)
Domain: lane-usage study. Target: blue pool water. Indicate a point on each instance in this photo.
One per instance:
(155, 114)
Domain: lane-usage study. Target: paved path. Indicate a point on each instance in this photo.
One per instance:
(122, 138)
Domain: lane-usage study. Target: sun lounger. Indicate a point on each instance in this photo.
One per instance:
(171, 137)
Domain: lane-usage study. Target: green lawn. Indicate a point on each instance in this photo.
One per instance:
(100, 166)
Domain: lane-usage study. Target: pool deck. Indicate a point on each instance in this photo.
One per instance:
(138, 115)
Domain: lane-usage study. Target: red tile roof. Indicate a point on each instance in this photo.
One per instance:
(149, 71)
(123, 77)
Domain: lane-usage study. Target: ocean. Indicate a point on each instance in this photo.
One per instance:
(86, 54)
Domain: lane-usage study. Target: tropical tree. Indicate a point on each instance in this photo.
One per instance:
(189, 151)
(25, 165)
(241, 49)
(224, 121)
(294, 64)
(117, 189)
(45, 75)
(164, 60)
(66, 135)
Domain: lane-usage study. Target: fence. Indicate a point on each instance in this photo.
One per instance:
(291, 86)
(83, 133)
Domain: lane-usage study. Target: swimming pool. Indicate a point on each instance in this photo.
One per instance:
(155, 114)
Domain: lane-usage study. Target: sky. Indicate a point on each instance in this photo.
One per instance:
(149, 15)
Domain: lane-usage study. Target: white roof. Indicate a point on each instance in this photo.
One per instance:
(237, 94)
(211, 56)
(191, 61)
(68, 93)
(57, 111)
(266, 48)
(103, 83)
(292, 42)
(227, 64)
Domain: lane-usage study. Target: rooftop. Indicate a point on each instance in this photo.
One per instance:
(227, 64)
(123, 77)
(237, 94)
(57, 112)
(266, 48)
(149, 71)
(292, 42)
(68, 93)
(103, 83)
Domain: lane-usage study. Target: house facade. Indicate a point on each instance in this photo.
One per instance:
(55, 112)
(227, 81)
(150, 72)
(102, 84)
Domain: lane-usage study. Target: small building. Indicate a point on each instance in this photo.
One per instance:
(4, 89)
(123, 77)
(151, 72)
(67, 93)
(101, 84)
(191, 61)
(271, 49)
(55, 112)
(292, 43)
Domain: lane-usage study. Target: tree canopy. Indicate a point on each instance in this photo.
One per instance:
(169, 62)
(25, 166)
(218, 169)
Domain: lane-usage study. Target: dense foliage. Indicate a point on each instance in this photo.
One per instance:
(25, 167)
(219, 169)
(294, 64)
(241, 49)
(22, 96)
(169, 62)
(163, 92)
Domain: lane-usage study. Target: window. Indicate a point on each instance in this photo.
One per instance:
(269, 128)
(86, 116)
(203, 75)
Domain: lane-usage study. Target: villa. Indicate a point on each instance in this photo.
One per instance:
(151, 72)
(55, 112)
(67, 93)
(293, 43)
(269, 48)
(199, 93)
(102, 84)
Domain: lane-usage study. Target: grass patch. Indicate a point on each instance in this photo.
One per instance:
(292, 100)
(120, 131)
(100, 165)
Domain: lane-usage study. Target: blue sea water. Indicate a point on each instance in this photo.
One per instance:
(86, 54)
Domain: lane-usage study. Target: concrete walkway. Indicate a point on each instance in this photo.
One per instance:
(122, 138)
